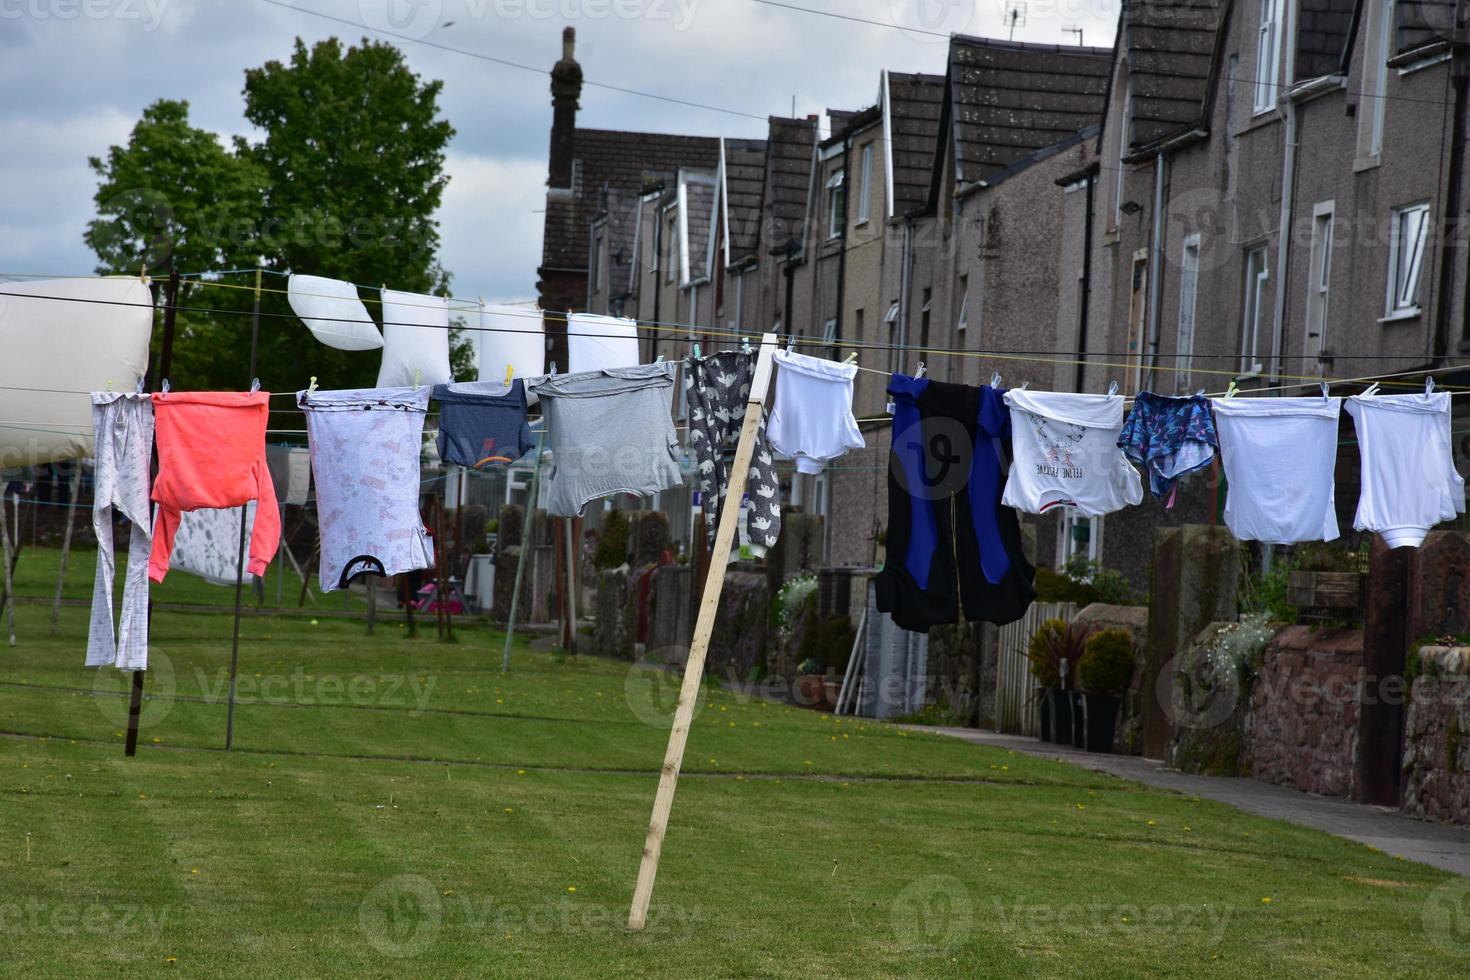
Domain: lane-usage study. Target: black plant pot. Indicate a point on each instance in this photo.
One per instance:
(1102, 722)
(1045, 713)
(1061, 715)
(1079, 721)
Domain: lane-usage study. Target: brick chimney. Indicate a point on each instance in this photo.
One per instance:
(566, 89)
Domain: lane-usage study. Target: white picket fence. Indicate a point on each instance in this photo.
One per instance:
(1015, 707)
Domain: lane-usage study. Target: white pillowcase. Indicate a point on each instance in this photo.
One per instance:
(415, 340)
(596, 342)
(333, 313)
(514, 336)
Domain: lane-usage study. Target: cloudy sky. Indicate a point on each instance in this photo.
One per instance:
(76, 74)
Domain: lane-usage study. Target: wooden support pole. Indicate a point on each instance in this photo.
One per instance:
(527, 543)
(709, 607)
(71, 513)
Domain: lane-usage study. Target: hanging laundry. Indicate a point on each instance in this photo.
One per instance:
(717, 390)
(415, 340)
(610, 432)
(596, 342)
(812, 421)
(211, 453)
(290, 468)
(1066, 453)
(1169, 437)
(207, 544)
(951, 547)
(122, 425)
(511, 336)
(1278, 455)
(1409, 481)
(60, 337)
(365, 446)
(482, 423)
(333, 313)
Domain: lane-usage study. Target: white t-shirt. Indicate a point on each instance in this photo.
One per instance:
(1065, 453)
(1409, 482)
(812, 421)
(1279, 454)
(597, 343)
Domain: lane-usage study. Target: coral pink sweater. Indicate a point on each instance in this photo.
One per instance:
(211, 453)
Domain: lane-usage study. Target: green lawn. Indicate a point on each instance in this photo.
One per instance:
(396, 806)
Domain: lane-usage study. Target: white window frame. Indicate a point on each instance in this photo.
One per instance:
(1256, 278)
(865, 181)
(836, 202)
(1319, 281)
(1378, 46)
(1268, 57)
(1408, 236)
(960, 320)
(1071, 517)
(829, 331)
(1188, 296)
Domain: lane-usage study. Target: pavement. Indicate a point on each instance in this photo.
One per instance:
(1439, 845)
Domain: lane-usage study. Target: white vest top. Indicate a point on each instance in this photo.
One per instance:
(1409, 482)
(1279, 455)
(1065, 453)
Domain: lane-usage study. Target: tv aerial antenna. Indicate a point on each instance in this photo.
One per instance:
(1015, 16)
(1074, 29)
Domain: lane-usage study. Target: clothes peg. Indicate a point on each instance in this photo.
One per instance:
(139, 389)
(851, 358)
(254, 385)
(1025, 385)
(660, 359)
(143, 274)
(510, 370)
(417, 375)
(1200, 393)
(109, 384)
(995, 379)
(921, 371)
(1372, 390)
(696, 353)
(1324, 391)
(553, 369)
(165, 386)
(1429, 385)
(745, 345)
(1112, 388)
(311, 388)
(1231, 390)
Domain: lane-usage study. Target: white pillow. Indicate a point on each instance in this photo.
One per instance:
(87, 333)
(511, 335)
(333, 313)
(596, 342)
(415, 339)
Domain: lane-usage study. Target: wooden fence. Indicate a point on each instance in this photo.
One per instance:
(1015, 707)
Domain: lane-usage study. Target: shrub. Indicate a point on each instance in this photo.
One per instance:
(786, 606)
(1084, 582)
(1056, 642)
(809, 666)
(1106, 667)
(612, 546)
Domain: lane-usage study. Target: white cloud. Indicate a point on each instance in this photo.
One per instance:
(491, 226)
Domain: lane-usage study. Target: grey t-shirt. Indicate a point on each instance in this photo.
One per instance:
(611, 431)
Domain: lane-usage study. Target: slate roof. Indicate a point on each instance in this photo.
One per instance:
(915, 103)
(614, 161)
(745, 177)
(1422, 22)
(788, 177)
(1322, 35)
(1171, 46)
(1007, 99)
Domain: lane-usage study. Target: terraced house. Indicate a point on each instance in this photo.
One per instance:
(1261, 191)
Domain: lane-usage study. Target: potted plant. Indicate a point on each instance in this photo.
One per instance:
(1104, 673)
(809, 683)
(1054, 651)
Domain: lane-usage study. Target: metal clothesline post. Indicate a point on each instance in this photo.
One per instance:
(526, 542)
(240, 554)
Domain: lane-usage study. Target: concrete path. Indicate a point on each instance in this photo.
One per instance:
(1439, 845)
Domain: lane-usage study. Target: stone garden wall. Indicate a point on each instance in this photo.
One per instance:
(1304, 710)
(1437, 737)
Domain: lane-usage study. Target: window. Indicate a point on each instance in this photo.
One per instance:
(829, 331)
(597, 263)
(1319, 281)
(1253, 308)
(1137, 320)
(924, 320)
(1268, 53)
(964, 298)
(836, 203)
(1081, 536)
(1188, 287)
(1407, 233)
(891, 317)
(1373, 98)
(865, 181)
(671, 247)
(1122, 172)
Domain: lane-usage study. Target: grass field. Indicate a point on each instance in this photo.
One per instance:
(396, 806)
